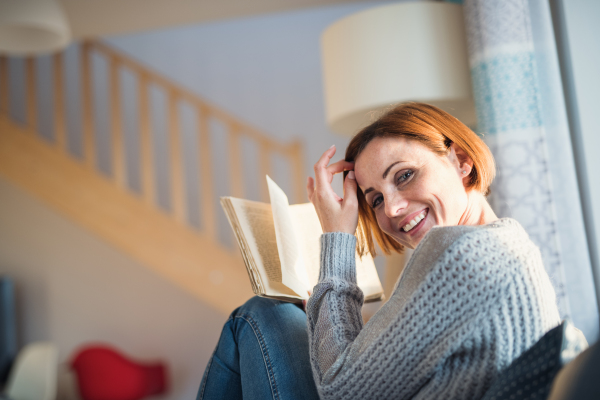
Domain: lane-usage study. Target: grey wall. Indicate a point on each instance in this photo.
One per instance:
(72, 289)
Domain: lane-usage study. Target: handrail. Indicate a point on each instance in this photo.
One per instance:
(186, 95)
(236, 131)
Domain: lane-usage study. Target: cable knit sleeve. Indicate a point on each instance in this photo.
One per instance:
(475, 311)
(336, 320)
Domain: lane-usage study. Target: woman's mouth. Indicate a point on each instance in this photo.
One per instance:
(416, 221)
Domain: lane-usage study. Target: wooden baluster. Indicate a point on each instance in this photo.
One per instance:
(236, 172)
(177, 178)
(89, 147)
(31, 82)
(206, 184)
(117, 139)
(298, 174)
(4, 89)
(264, 160)
(60, 129)
(146, 143)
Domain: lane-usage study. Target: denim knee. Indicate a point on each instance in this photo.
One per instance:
(255, 306)
(262, 309)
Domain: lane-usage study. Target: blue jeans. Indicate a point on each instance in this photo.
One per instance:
(262, 354)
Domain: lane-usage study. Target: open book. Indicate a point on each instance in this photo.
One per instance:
(280, 244)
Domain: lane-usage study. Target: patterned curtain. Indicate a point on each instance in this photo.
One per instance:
(521, 113)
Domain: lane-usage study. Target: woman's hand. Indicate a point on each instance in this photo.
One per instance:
(336, 214)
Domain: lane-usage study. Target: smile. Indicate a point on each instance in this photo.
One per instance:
(415, 221)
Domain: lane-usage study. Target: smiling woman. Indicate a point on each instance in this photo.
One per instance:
(410, 136)
(473, 297)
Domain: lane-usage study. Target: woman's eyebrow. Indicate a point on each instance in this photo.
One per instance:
(385, 173)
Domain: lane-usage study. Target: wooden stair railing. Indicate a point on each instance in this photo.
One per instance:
(50, 165)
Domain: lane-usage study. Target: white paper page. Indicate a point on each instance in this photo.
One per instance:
(309, 232)
(293, 272)
(255, 220)
(308, 228)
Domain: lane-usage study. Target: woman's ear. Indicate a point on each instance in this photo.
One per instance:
(462, 160)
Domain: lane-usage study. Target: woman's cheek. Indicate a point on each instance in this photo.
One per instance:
(384, 223)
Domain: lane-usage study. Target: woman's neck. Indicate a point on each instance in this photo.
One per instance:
(478, 211)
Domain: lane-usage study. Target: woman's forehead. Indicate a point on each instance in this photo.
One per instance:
(386, 149)
(382, 153)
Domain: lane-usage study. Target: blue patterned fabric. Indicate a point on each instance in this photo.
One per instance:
(507, 93)
(535, 181)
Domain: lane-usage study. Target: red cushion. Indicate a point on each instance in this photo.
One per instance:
(105, 374)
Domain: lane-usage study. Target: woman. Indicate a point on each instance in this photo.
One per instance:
(473, 297)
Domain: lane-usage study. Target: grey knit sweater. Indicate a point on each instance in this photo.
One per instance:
(471, 300)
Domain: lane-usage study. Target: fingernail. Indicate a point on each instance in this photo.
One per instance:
(332, 146)
(351, 174)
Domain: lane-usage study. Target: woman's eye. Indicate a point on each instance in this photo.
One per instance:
(404, 176)
(401, 178)
(376, 201)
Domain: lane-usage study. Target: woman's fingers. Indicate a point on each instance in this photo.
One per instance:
(323, 177)
(325, 158)
(310, 187)
(324, 173)
(340, 166)
(335, 214)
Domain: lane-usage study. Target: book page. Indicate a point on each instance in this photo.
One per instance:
(293, 271)
(260, 221)
(309, 231)
(252, 223)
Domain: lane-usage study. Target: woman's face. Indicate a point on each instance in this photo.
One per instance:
(411, 188)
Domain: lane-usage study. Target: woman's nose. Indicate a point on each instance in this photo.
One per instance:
(394, 204)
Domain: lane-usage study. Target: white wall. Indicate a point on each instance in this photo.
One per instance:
(72, 288)
(583, 31)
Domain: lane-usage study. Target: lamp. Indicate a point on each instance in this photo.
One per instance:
(395, 53)
(29, 27)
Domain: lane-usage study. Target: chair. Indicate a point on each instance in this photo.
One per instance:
(105, 374)
(34, 373)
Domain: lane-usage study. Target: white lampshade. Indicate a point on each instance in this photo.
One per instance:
(29, 27)
(396, 53)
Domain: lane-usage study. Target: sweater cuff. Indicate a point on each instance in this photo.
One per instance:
(338, 256)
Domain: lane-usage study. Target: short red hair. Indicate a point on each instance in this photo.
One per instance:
(437, 130)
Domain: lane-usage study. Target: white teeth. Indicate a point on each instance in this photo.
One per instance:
(415, 221)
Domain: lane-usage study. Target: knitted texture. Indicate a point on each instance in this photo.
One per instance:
(481, 303)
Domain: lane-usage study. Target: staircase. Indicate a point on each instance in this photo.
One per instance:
(163, 238)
